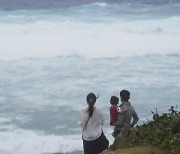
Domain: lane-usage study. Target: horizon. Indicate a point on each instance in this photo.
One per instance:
(8, 5)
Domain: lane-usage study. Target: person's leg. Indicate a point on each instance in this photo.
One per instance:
(101, 143)
(117, 128)
(89, 147)
(120, 125)
(123, 130)
(116, 131)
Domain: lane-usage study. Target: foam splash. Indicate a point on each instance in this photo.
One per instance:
(102, 4)
(120, 38)
(24, 142)
(90, 31)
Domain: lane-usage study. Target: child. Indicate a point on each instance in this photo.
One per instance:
(114, 121)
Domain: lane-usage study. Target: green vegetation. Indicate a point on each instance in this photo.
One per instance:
(163, 132)
(141, 149)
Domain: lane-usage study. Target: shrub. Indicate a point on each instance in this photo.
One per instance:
(163, 131)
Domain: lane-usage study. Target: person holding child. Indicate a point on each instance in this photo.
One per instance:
(122, 117)
(130, 117)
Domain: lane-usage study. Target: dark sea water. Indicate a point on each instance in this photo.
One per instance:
(54, 52)
(51, 4)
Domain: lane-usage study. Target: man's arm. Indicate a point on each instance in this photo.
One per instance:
(135, 119)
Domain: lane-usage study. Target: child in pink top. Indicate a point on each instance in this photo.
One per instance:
(115, 110)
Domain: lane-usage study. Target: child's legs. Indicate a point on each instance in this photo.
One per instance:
(116, 131)
(119, 128)
(123, 129)
(117, 123)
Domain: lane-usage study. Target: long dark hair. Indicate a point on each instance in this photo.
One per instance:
(91, 100)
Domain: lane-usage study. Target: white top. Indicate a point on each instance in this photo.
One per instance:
(93, 128)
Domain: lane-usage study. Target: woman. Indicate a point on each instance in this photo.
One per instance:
(91, 119)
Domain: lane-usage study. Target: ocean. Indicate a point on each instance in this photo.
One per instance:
(54, 52)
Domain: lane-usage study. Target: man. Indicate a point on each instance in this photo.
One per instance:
(130, 117)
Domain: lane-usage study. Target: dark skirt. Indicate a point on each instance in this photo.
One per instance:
(96, 146)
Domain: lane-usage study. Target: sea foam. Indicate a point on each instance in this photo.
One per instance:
(90, 31)
(48, 38)
(24, 142)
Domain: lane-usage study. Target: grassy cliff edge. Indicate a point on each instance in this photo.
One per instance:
(161, 136)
